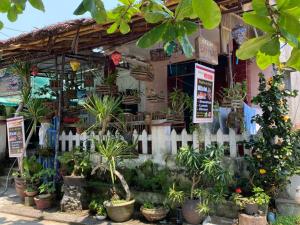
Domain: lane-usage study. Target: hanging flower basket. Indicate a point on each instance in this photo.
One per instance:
(142, 73)
(131, 100)
(107, 89)
(158, 55)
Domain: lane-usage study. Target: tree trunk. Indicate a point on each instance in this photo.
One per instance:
(19, 109)
(24, 150)
(124, 184)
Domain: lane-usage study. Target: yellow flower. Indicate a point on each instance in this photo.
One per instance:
(270, 80)
(281, 87)
(286, 118)
(262, 171)
(281, 66)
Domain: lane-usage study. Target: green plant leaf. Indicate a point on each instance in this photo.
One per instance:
(189, 26)
(250, 48)
(12, 14)
(185, 10)
(291, 39)
(97, 10)
(186, 46)
(38, 4)
(80, 10)
(152, 37)
(261, 22)
(290, 24)
(208, 11)
(259, 7)
(124, 27)
(294, 61)
(155, 17)
(287, 4)
(4, 5)
(113, 28)
(1, 25)
(272, 47)
(264, 61)
(126, 2)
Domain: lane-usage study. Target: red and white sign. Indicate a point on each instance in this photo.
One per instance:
(203, 94)
(16, 136)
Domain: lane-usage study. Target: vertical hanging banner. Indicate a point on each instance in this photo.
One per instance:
(203, 94)
(16, 136)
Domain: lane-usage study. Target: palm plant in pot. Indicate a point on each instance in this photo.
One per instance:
(79, 161)
(113, 150)
(208, 178)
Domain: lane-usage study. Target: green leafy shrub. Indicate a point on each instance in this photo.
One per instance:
(287, 220)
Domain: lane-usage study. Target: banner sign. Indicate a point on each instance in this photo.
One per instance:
(206, 51)
(203, 94)
(16, 136)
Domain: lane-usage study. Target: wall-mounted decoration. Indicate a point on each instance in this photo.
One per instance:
(206, 51)
(239, 34)
(10, 84)
(116, 57)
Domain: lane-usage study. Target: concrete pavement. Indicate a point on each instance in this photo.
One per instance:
(8, 219)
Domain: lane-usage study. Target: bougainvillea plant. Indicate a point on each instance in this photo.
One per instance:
(276, 156)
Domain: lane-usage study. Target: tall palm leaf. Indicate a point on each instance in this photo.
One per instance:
(104, 109)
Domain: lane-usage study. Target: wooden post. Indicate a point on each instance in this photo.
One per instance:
(59, 98)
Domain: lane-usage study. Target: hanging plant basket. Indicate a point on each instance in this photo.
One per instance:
(158, 55)
(155, 98)
(131, 100)
(175, 117)
(142, 73)
(107, 89)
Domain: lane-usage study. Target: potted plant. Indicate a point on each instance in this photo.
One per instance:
(208, 178)
(153, 212)
(252, 204)
(98, 210)
(131, 97)
(113, 150)
(179, 102)
(79, 161)
(108, 84)
(31, 191)
(46, 195)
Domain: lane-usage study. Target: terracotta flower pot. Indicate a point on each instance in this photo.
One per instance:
(189, 212)
(155, 214)
(43, 201)
(20, 186)
(31, 193)
(121, 212)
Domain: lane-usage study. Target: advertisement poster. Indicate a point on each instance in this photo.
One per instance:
(203, 94)
(16, 136)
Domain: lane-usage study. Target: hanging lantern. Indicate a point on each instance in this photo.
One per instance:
(239, 34)
(34, 70)
(75, 64)
(116, 57)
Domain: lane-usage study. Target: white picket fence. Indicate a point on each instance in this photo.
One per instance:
(162, 141)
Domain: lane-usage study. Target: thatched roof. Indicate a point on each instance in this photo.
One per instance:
(79, 35)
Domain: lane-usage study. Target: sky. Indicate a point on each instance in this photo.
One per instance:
(56, 11)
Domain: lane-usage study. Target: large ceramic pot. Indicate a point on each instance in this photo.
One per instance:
(78, 181)
(190, 213)
(43, 201)
(31, 193)
(155, 214)
(20, 186)
(251, 209)
(120, 212)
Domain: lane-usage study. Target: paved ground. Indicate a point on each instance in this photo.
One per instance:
(7, 219)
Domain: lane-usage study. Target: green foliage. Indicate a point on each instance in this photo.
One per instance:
(47, 188)
(204, 168)
(78, 159)
(180, 101)
(276, 155)
(259, 197)
(176, 198)
(96, 207)
(287, 220)
(104, 109)
(148, 205)
(2, 110)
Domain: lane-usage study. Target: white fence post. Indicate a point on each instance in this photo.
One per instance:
(144, 142)
(174, 142)
(232, 143)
